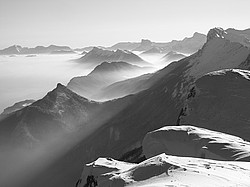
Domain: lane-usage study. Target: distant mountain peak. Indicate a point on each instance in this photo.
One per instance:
(97, 55)
(60, 86)
(197, 34)
(96, 49)
(146, 42)
(216, 32)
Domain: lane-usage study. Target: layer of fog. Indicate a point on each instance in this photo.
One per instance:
(23, 77)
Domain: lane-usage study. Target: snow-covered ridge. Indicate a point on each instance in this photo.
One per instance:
(195, 142)
(165, 170)
(244, 73)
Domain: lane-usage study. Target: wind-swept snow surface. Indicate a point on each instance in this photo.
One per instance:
(195, 142)
(165, 170)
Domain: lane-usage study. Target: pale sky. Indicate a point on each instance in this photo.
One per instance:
(79, 23)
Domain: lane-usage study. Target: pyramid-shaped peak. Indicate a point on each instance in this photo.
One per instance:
(96, 49)
(60, 86)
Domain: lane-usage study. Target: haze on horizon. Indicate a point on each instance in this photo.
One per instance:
(80, 23)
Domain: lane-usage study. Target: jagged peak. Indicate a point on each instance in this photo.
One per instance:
(59, 85)
(96, 49)
(146, 41)
(63, 93)
(216, 32)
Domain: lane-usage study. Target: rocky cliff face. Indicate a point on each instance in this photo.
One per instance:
(220, 100)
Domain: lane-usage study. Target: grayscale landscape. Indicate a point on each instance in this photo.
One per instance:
(124, 93)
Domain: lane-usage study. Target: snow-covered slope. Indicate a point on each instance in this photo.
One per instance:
(195, 142)
(165, 170)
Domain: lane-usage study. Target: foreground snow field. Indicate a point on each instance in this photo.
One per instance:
(165, 170)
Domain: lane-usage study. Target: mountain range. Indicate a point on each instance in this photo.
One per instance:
(208, 89)
(103, 75)
(97, 55)
(187, 45)
(17, 49)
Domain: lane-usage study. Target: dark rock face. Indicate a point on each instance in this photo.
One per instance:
(221, 102)
(215, 33)
(61, 110)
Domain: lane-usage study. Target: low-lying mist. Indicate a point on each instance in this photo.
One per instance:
(21, 165)
(23, 77)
